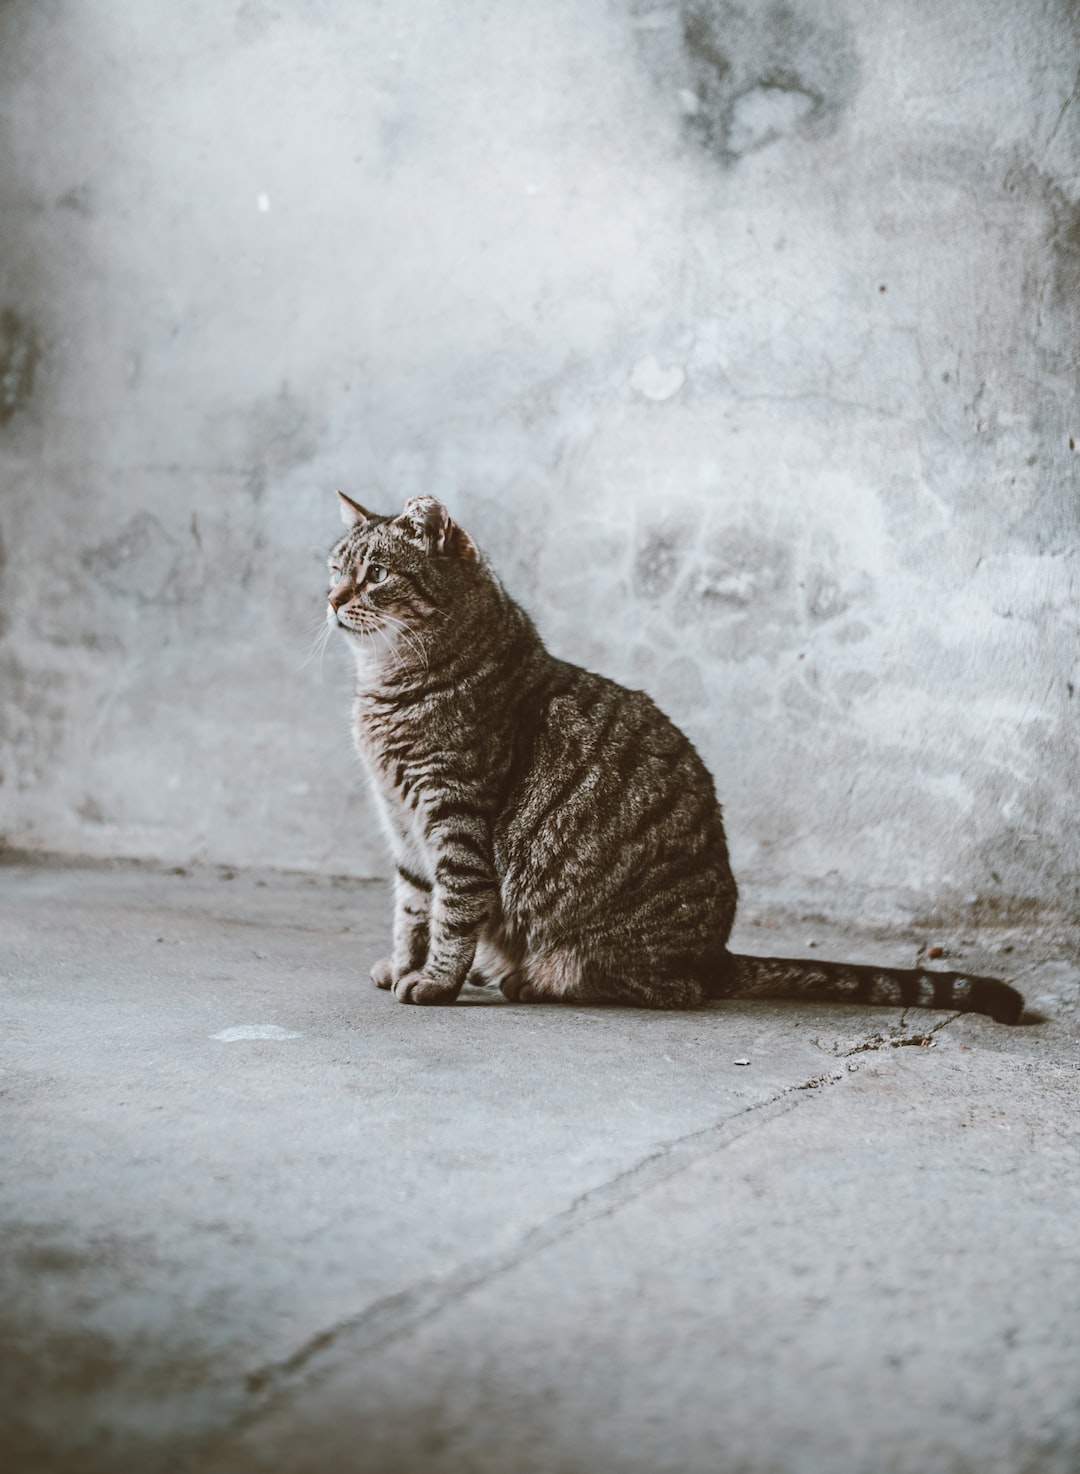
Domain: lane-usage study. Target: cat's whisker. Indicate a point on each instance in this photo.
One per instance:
(390, 646)
(408, 636)
(387, 641)
(323, 642)
(373, 637)
(325, 646)
(317, 647)
(378, 634)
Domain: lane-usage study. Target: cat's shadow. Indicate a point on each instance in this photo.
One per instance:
(482, 997)
(490, 997)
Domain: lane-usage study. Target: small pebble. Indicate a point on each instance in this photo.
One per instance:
(935, 951)
(742, 1061)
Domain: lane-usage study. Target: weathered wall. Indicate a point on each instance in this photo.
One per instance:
(744, 336)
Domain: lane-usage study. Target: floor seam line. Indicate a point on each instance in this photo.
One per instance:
(385, 1320)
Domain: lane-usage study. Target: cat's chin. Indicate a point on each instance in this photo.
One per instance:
(355, 637)
(364, 652)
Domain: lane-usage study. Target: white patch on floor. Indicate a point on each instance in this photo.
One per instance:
(254, 1031)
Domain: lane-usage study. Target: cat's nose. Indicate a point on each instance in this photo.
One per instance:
(338, 596)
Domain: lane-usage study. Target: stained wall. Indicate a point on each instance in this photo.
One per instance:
(743, 337)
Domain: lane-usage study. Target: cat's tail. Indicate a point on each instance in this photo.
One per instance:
(846, 982)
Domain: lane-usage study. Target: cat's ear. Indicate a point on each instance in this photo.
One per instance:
(352, 513)
(426, 521)
(462, 544)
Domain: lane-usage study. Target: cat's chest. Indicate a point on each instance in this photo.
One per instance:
(400, 768)
(398, 791)
(405, 830)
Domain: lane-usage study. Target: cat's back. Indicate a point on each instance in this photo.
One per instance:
(612, 808)
(605, 766)
(599, 726)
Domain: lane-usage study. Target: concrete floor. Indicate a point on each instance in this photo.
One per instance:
(513, 1239)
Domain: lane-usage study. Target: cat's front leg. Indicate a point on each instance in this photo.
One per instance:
(462, 899)
(412, 905)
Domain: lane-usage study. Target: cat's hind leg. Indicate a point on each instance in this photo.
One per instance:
(553, 977)
(382, 973)
(562, 976)
(661, 991)
(498, 960)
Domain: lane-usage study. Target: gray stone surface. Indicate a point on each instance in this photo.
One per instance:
(257, 1216)
(743, 337)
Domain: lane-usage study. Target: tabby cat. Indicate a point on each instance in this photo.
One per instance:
(552, 831)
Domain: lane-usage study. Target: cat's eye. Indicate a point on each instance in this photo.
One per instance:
(376, 573)
(335, 577)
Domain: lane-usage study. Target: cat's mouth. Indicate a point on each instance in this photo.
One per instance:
(358, 631)
(348, 627)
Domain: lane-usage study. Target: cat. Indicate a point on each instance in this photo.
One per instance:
(552, 831)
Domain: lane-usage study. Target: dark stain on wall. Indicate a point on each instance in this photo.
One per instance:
(79, 199)
(658, 559)
(1047, 338)
(3, 565)
(733, 578)
(739, 570)
(1027, 874)
(33, 719)
(743, 76)
(1052, 281)
(1012, 404)
(19, 354)
(825, 598)
(283, 436)
(140, 562)
(1065, 246)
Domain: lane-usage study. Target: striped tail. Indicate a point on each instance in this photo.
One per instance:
(846, 982)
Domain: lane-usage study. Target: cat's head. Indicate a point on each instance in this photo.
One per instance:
(407, 572)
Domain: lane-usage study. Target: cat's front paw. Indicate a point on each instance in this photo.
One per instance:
(382, 974)
(417, 987)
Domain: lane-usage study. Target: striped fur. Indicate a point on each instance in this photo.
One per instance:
(552, 831)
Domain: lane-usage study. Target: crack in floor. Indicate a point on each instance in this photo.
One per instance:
(874, 1043)
(384, 1321)
(899, 1041)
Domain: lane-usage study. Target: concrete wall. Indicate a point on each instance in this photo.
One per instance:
(743, 336)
